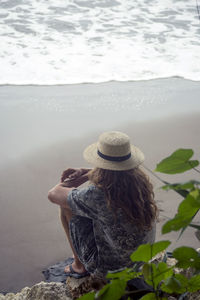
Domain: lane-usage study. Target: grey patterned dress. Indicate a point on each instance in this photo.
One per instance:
(103, 242)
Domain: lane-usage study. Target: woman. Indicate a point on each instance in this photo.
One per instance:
(106, 221)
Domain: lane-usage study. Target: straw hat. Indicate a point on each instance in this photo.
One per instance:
(113, 151)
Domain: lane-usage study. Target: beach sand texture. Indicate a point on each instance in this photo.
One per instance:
(41, 138)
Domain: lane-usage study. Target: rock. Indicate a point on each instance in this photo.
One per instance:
(74, 288)
(50, 291)
(73, 283)
(194, 296)
(8, 296)
(79, 287)
(56, 273)
(40, 291)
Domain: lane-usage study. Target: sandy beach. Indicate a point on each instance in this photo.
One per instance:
(44, 130)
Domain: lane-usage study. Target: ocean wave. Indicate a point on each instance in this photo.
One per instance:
(67, 42)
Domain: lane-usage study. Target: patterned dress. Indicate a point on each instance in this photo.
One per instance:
(102, 241)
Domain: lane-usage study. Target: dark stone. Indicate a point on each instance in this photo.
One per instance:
(137, 288)
(56, 272)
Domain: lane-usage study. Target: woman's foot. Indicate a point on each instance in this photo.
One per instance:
(78, 268)
(75, 274)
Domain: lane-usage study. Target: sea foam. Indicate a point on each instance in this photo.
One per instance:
(76, 41)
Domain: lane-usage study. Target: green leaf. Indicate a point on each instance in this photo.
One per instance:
(126, 274)
(172, 284)
(162, 272)
(114, 290)
(177, 162)
(103, 290)
(183, 280)
(145, 252)
(187, 257)
(189, 206)
(88, 296)
(150, 296)
(194, 284)
(146, 271)
(196, 195)
(175, 224)
(177, 283)
(187, 209)
(157, 273)
(182, 188)
(189, 185)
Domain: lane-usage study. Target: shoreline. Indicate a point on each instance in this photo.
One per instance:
(99, 82)
(39, 143)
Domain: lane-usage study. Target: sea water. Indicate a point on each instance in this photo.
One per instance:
(76, 41)
(79, 41)
(51, 42)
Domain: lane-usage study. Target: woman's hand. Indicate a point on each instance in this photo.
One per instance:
(74, 177)
(67, 173)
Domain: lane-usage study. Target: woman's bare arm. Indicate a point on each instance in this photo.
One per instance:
(71, 178)
(58, 195)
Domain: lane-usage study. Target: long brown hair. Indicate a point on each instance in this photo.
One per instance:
(129, 190)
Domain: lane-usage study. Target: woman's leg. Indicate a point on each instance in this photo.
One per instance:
(66, 216)
(84, 242)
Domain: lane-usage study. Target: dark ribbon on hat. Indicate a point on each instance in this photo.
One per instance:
(113, 158)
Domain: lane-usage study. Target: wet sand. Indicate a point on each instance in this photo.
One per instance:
(31, 234)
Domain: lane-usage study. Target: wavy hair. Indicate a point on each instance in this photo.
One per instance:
(129, 190)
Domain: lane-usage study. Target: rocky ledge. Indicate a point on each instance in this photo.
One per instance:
(61, 291)
(74, 288)
(42, 291)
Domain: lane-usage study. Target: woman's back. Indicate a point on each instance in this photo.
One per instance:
(129, 191)
(116, 233)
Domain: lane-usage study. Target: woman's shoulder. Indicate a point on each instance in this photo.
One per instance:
(93, 189)
(90, 191)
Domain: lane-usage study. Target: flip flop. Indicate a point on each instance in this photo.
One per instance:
(76, 275)
(69, 261)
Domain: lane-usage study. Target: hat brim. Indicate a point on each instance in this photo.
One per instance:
(91, 156)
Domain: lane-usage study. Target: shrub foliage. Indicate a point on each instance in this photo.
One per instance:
(163, 279)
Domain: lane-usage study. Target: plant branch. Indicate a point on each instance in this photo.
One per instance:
(163, 181)
(193, 167)
(152, 278)
(137, 291)
(163, 272)
(196, 170)
(184, 228)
